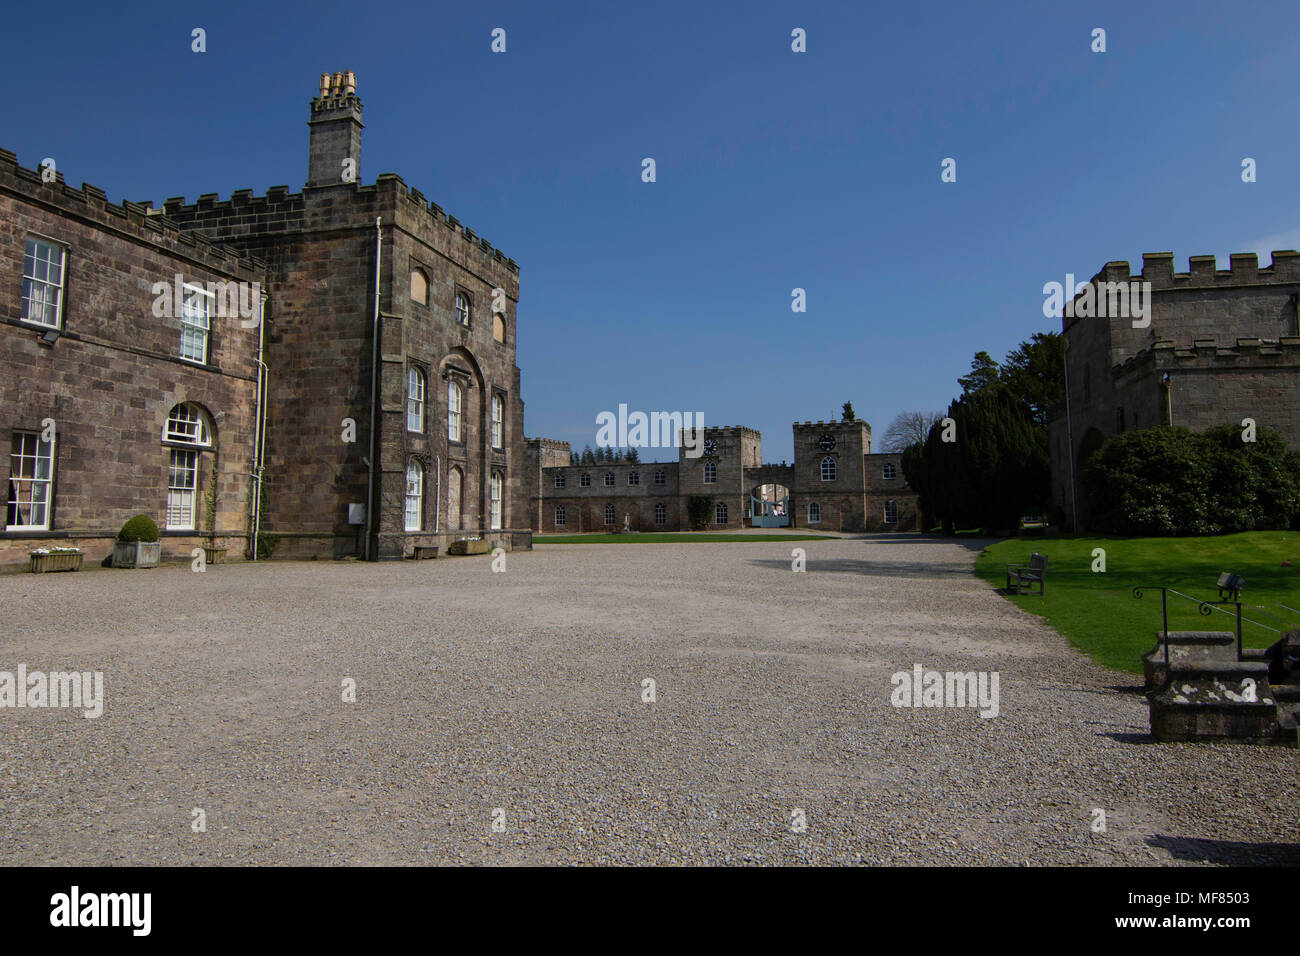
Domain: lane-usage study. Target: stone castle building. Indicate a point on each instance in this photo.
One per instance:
(834, 484)
(334, 366)
(1222, 345)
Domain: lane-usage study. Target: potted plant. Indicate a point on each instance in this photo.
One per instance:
(137, 544)
(55, 559)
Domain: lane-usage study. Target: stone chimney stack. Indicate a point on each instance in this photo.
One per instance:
(334, 150)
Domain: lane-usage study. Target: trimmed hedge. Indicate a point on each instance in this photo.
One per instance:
(1173, 481)
(139, 528)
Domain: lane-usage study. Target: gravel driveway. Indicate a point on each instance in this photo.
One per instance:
(522, 691)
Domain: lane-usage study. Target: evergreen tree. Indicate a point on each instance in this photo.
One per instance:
(849, 416)
(588, 458)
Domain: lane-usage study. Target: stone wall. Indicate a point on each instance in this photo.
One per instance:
(114, 372)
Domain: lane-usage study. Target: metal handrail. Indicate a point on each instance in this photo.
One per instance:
(1205, 608)
(1208, 606)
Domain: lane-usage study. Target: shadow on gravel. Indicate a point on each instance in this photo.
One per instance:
(1231, 852)
(1130, 738)
(870, 568)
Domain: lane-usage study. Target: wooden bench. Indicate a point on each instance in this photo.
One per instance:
(1035, 572)
(1231, 585)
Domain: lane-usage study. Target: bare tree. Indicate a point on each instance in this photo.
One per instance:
(908, 429)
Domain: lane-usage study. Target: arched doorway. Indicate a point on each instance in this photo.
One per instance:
(769, 506)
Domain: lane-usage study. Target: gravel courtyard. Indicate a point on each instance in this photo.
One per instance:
(521, 691)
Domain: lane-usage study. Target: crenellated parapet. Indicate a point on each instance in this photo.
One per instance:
(1202, 271)
(138, 220)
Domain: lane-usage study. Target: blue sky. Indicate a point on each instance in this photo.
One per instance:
(775, 170)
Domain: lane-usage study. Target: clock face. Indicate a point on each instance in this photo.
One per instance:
(710, 446)
(827, 443)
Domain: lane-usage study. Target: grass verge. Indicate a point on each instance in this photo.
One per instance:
(1097, 612)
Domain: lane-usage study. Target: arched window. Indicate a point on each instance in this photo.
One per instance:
(187, 424)
(585, 480)
(609, 479)
(659, 477)
(710, 472)
(609, 514)
(720, 512)
(560, 516)
(891, 512)
(462, 308)
(633, 478)
(828, 468)
(414, 495)
(498, 421)
(453, 411)
(559, 479)
(419, 287)
(494, 500)
(814, 513)
(499, 327)
(414, 400)
(661, 513)
(889, 471)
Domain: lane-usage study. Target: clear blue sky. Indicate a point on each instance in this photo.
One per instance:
(776, 170)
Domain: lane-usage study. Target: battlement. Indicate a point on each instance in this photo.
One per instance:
(439, 217)
(1202, 271)
(547, 443)
(856, 423)
(280, 209)
(1206, 353)
(732, 431)
(136, 219)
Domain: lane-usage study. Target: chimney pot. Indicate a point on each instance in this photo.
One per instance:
(324, 85)
(349, 82)
(337, 88)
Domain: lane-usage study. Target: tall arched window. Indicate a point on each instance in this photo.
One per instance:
(414, 495)
(889, 472)
(414, 400)
(462, 308)
(419, 287)
(661, 513)
(455, 481)
(453, 411)
(720, 513)
(560, 516)
(609, 479)
(828, 468)
(609, 514)
(659, 477)
(891, 512)
(710, 472)
(187, 425)
(494, 500)
(634, 478)
(498, 421)
(499, 327)
(814, 513)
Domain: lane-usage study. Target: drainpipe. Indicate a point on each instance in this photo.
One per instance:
(437, 489)
(374, 379)
(259, 427)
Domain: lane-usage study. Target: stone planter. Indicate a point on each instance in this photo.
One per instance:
(55, 562)
(468, 546)
(137, 554)
(214, 555)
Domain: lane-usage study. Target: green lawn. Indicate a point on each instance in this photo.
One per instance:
(1100, 616)
(668, 537)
